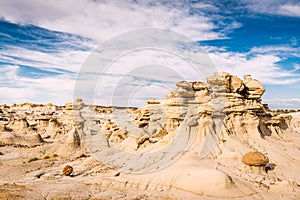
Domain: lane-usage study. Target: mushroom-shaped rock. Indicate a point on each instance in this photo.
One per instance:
(78, 104)
(255, 88)
(184, 90)
(255, 158)
(67, 170)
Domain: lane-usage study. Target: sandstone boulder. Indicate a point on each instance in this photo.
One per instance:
(236, 84)
(254, 88)
(67, 170)
(255, 158)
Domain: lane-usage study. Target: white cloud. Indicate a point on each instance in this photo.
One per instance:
(275, 49)
(18, 89)
(143, 69)
(290, 10)
(101, 20)
(69, 60)
(281, 103)
(282, 51)
(296, 67)
(204, 6)
(274, 7)
(261, 66)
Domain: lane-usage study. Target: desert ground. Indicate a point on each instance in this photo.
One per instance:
(205, 140)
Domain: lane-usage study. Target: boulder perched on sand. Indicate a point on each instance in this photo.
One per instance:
(255, 158)
(67, 170)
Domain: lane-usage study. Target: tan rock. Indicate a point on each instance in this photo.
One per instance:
(197, 86)
(2, 127)
(255, 159)
(69, 106)
(237, 84)
(219, 82)
(73, 139)
(37, 137)
(254, 88)
(185, 85)
(78, 104)
(67, 170)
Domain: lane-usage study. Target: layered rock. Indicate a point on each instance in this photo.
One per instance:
(49, 121)
(224, 105)
(223, 93)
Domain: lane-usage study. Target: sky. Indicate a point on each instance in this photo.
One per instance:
(44, 46)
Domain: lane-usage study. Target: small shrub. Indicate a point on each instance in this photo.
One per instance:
(82, 156)
(46, 157)
(55, 155)
(1, 153)
(33, 159)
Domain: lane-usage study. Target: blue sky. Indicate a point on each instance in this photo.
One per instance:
(43, 45)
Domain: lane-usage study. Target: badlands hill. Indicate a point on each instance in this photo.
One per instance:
(212, 140)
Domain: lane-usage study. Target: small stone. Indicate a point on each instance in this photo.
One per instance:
(192, 122)
(67, 171)
(269, 167)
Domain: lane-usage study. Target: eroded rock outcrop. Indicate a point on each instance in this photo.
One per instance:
(220, 119)
(73, 139)
(223, 94)
(193, 140)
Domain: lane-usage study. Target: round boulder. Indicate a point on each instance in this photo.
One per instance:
(67, 170)
(255, 158)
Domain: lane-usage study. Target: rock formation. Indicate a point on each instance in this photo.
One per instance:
(191, 144)
(73, 139)
(224, 95)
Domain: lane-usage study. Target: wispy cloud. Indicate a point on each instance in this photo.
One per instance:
(18, 89)
(278, 50)
(290, 9)
(67, 61)
(263, 67)
(291, 103)
(41, 64)
(101, 20)
(274, 7)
